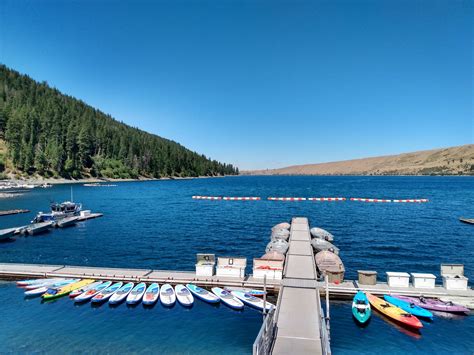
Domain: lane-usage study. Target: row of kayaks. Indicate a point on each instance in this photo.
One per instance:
(115, 293)
(405, 310)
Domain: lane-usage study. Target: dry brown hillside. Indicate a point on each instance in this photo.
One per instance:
(448, 161)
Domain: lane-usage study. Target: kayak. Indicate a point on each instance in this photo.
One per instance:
(151, 295)
(87, 295)
(361, 307)
(77, 292)
(167, 295)
(435, 304)
(122, 293)
(39, 290)
(409, 307)
(62, 291)
(227, 297)
(105, 294)
(202, 294)
(185, 298)
(252, 301)
(136, 294)
(24, 283)
(394, 312)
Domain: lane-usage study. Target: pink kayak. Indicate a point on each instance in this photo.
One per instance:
(434, 304)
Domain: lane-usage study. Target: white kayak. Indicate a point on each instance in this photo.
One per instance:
(40, 289)
(185, 298)
(137, 293)
(151, 295)
(105, 294)
(202, 294)
(122, 293)
(24, 283)
(167, 295)
(87, 295)
(252, 300)
(227, 297)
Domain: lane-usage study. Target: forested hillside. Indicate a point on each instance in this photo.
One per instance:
(52, 134)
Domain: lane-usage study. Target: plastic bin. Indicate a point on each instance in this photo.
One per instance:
(423, 280)
(205, 264)
(398, 279)
(455, 282)
(231, 266)
(273, 269)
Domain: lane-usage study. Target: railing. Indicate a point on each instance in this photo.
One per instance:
(324, 324)
(263, 343)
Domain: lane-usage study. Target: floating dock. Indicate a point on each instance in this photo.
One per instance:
(10, 212)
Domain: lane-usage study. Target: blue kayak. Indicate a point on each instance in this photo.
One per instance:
(409, 307)
(361, 307)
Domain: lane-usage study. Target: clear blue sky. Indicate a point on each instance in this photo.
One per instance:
(260, 84)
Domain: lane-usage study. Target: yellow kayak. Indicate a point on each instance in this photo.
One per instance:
(394, 312)
(61, 291)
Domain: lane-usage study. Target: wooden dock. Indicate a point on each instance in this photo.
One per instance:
(10, 212)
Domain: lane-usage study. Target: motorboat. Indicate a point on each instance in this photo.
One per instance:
(59, 211)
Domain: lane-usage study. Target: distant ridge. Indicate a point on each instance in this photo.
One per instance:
(447, 161)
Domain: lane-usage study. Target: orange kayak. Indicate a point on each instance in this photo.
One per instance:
(394, 312)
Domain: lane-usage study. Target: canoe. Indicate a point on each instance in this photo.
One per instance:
(62, 291)
(435, 304)
(330, 264)
(227, 297)
(409, 307)
(151, 295)
(77, 292)
(394, 312)
(321, 244)
(105, 294)
(24, 283)
(361, 307)
(321, 233)
(202, 294)
(87, 295)
(167, 295)
(185, 298)
(136, 294)
(252, 301)
(121, 294)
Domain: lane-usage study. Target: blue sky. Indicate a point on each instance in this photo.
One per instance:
(260, 84)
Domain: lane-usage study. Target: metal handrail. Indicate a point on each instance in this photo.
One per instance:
(263, 343)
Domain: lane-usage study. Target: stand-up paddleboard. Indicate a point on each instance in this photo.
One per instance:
(202, 294)
(137, 293)
(24, 283)
(256, 293)
(151, 295)
(105, 294)
(252, 301)
(62, 291)
(184, 296)
(361, 308)
(122, 293)
(409, 307)
(227, 297)
(167, 295)
(42, 289)
(51, 283)
(394, 312)
(77, 292)
(87, 295)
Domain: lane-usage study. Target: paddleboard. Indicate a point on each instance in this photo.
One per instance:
(151, 295)
(62, 291)
(167, 295)
(122, 293)
(361, 307)
(136, 294)
(409, 307)
(77, 292)
(202, 294)
(184, 296)
(227, 297)
(24, 283)
(105, 294)
(87, 295)
(42, 289)
(252, 301)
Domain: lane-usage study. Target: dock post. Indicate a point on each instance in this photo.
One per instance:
(326, 279)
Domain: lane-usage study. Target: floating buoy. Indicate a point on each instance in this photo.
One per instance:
(207, 197)
(241, 198)
(369, 199)
(419, 200)
(287, 198)
(326, 199)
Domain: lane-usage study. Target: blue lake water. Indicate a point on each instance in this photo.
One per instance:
(157, 225)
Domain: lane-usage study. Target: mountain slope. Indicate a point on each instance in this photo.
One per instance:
(448, 161)
(52, 134)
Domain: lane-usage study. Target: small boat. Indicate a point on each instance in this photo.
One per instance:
(253, 301)
(184, 296)
(87, 295)
(394, 312)
(122, 293)
(151, 295)
(227, 298)
(434, 304)
(67, 221)
(59, 211)
(409, 307)
(37, 228)
(136, 294)
(24, 283)
(330, 264)
(105, 294)
(77, 292)
(278, 245)
(53, 293)
(167, 295)
(321, 244)
(202, 294)
(467, 220)
(7, 233)
(361, 308)
(321, 234)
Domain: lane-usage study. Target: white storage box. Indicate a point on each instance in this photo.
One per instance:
(398, 279)
(423, 280)
(273, 269)
(205, 264)
(455, 282)
(231, 267)
(452, 269)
